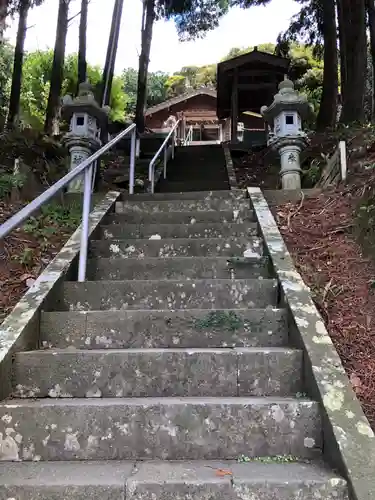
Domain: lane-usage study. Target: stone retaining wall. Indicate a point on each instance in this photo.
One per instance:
(349, 442)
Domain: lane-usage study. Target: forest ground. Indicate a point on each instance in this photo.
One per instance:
(27, 251)
(331, 238)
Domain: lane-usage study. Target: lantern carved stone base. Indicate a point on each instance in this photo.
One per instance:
(289, 149)
(80, 148)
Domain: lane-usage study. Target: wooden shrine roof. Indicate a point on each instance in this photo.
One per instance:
(258, 74)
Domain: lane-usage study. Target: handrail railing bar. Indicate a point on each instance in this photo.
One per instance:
(151, 177)
(17, 219)
(165, 163)
(189, 136)
(132, 162)
(85, 224)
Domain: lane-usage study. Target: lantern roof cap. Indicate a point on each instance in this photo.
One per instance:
(84, 103)
(287, 99)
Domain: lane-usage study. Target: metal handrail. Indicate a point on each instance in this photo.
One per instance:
(189, 136)
(151, 169)
(86, 166)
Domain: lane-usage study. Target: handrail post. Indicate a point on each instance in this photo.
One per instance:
(165, 162)
(173, 143)
(85, 225)
(132, 161)
(152, 181)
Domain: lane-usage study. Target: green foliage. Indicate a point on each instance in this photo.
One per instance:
(36, 82)
(311, 175)
(44, 155)
(25, 258)
(35, 88)
(176, 85)
(10, 181)
(195, 77)
(156, 89)
(6, 63)
(53, 219)
(193, 18)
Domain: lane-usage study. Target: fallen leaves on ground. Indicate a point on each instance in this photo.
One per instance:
(319, 234)
(223, 472)
(22, 259)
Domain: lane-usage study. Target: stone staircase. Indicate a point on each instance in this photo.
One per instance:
(168, 375)
(196, 168)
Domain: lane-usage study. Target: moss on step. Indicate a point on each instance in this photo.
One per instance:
(278, 459)
(220, 319)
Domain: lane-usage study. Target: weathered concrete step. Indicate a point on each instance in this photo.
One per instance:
(186, 205)
(159, 428)
(65, 480)
(170, 372)
(204, 480)
(192, 185)
(191, 195)
(192, 328)
(175, 268)
(235, 481)
(197, 230)
(178, 247)
(187, 217)
(193, 294)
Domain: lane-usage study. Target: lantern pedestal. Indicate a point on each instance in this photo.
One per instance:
(286, 136)
(289, 150)
(80, 148)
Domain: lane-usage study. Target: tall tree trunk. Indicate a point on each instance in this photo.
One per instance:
(57, 73)
(3, 17)
(82, 63)
(371, 22)
(107, 78)
(110, 60)
(144, 59)
(15, 93)
(328, 104)
(342, 52)
(355, 40)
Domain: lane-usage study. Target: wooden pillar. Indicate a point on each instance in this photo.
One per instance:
(234, 107)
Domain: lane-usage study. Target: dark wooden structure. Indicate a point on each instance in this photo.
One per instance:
(196, 108)
(246, 83)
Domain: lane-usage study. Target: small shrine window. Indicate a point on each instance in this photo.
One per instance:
(289, 119)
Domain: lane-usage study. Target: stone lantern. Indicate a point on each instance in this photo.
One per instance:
(286, 136)
(86, 119)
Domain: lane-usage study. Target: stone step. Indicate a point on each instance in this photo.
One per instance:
(158, 428)
(190, 195)
(193, 294)
(192, 328)
(193, 185)
(169, 372)
(204, 480)
(187, 217)
(197, 230)
(235, 481)
(178, 247)
(175, 268)
(207, 204)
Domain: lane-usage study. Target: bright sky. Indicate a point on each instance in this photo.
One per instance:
(240, 28)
